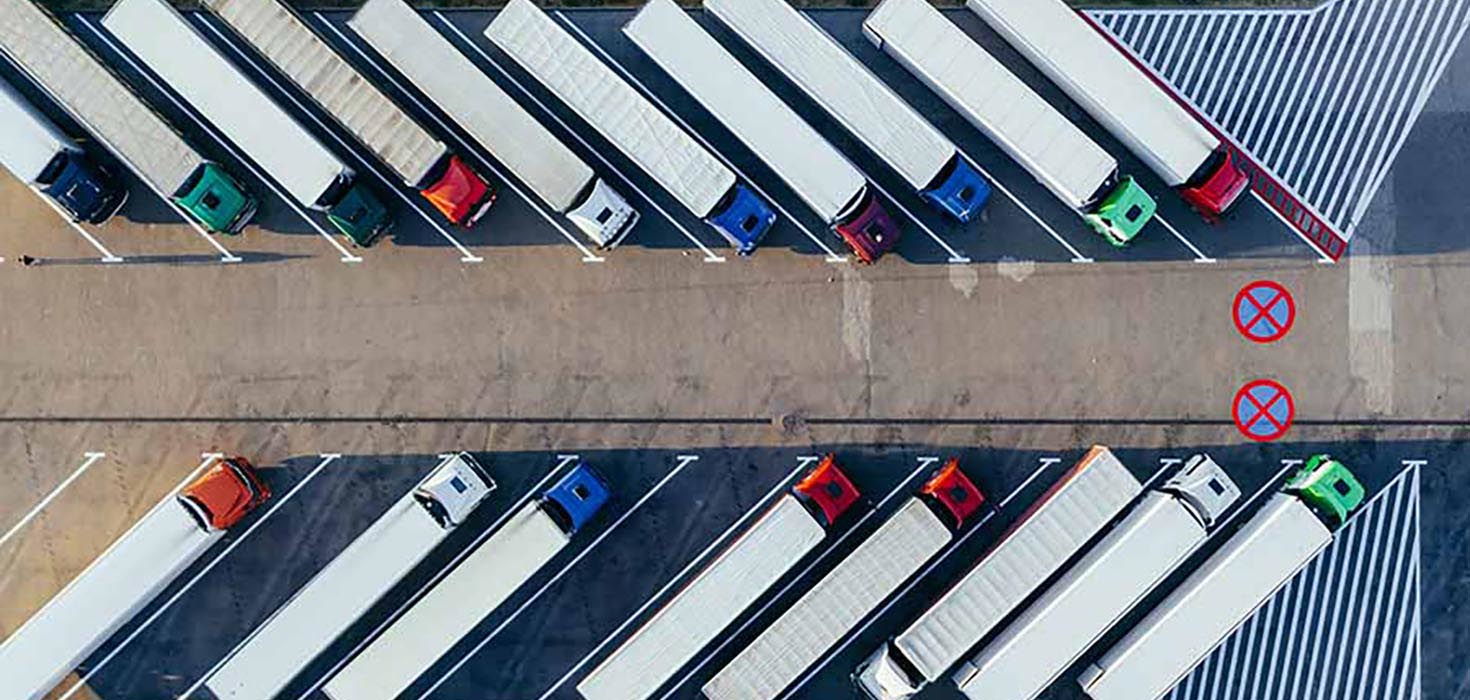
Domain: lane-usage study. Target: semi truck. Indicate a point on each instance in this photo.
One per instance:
(414, 155)
(1042, 540)
(783, 535)
(1278, 541)
(1155, 536)
(857, 585)
(298, 631)
(41, 155)
(1121, 97)
(811, 59)
(173, 50)
(1065, 160)
(103, 105)
(472, 590)
(126, 577)
(819, 174)
(633, 125)
(496, 121)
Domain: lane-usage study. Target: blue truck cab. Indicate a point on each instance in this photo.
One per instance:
(576, 499)
(83, 188)
(958, 190)
(743, 218)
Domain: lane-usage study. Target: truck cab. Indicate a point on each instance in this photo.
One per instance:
(458, 192)
(355, 211)
(224, 494)
(957, 497)
(868, 230)
(742, 218)
(216, 200)
(603, 215)
(453, 490)
(83, 188)
(1216, 188)
(1328, 488)
(958, 190)
(576, 499)
(1122, 213)
(827, 490)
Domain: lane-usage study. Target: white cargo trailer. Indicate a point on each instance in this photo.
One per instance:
(717, 596)
(817, 172)
(50, 162)
(109, 110)
(170, 47)
(607, 103)
(928, 162)
(1236, 580)
(1053, 529)
(1000, 105)
(419, 159)
(1121, 97)
(125, 578)
(850, 591)
(476, 586)
(1154, 537)
(276, 651)
(496, 121)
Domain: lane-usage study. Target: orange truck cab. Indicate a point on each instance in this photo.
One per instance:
(459, 193)
(226, 493)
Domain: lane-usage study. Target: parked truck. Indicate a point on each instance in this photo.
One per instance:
(1000, 105)
(298, 631)
(126, 577)
(627, 120)
(39, 154)
(103, 105)
(1284, 536)
(495, 120)
(717, 596)
(817, 172)
(1135, 555)
(476, 586)
(809, 57)
(1050, 532)
(1121, 97)
(173, 50)
(420, 160)
(856, 586)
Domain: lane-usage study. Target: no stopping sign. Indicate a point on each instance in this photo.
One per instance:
(1264, 311)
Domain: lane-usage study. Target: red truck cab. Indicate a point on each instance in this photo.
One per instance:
(869, 231)
(828, 490)
(1219, 187)
(225, 493)
(957, 496)
(459, 193)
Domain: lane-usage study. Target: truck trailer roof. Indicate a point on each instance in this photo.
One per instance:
(164, 41)
(28, 141)
(610, 105)
(816, 171)
(293, 48)
(96, 98)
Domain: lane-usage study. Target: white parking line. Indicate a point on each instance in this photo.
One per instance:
(326, 459)
(1199, 255)
(35, 510)
(772, 599)
(535, 203)
(393, 185)
(107, 255)
(220, 138)
(1077, 256)
(832, 256)
(683, 462)
(955, 257)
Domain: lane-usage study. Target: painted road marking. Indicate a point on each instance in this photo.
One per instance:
(92, 458)
(107, 255)
(1263, 410)
(1264, 311)
(1199, 255)
(218, 136)
(393, 185)
(326, 459)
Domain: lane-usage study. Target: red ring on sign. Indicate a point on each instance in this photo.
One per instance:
(1260, 312)
(1262, 411)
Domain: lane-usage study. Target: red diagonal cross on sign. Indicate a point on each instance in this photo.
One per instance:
(1263, 410)
(1263, 311)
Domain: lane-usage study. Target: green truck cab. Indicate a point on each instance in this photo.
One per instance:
(216, 200)
(356, 212)
(1122, 213)
(1328, 488)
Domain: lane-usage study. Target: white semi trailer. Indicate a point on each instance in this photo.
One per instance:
(1121, 97)
(716, 597)
(126, 577)
(281, 647)
(476, 586)
(419, 159)
(1156, 535)
(84, 87)
(856, 586)
(1069, 163)
(39, 154)
(1053, 529)
(495, 120)
(627, 120)
(829, 184)
(170, 47)
(926, 160)
(1284, 536)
